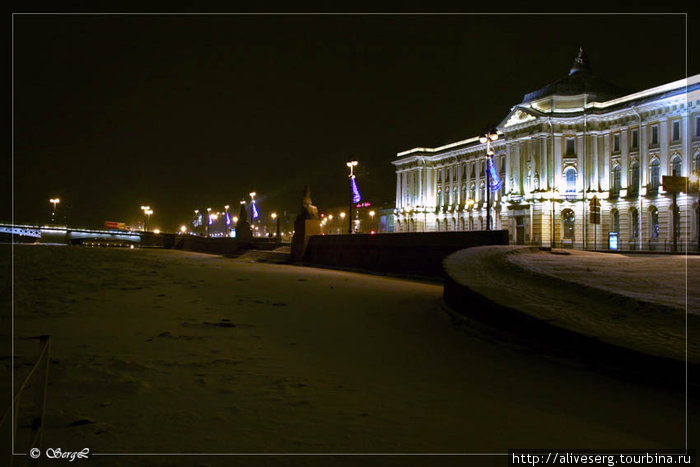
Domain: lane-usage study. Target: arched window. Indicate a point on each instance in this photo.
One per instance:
(634, 223)
(439, 199)
(570, 175)
(633, 185)
(449, 176)
(464, 194)
(482, 192)
(653, 222)
(439, 176)
(454, 195)
(654, 175)
(471, 223)
(615, 227)
(696, 164)
(676, 166)
(569, 223)
(617, 179)
(472, 192)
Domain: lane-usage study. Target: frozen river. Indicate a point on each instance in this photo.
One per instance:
(158, 351)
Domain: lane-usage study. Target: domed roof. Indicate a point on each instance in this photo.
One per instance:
(580, 80)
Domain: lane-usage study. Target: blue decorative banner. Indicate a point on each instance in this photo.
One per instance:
(493, 175)
(228, 219)
(255, 210)
(355, 192)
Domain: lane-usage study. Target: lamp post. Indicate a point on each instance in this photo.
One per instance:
(146, 216)
(208, 222)
(487, 137)
(277, 226)
(227, 220)
(148, 213)
(54, 202)
(371, 221)
(351, 165)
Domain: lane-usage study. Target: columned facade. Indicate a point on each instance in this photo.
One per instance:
(576, 139)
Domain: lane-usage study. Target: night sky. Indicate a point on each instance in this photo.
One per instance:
(186, 112)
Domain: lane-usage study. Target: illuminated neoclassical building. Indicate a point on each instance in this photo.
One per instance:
(575, 139)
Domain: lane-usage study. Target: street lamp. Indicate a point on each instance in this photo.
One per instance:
(208, 222)
(487, 138)
(145, 224)
(148, 213)
(351, 165)
(371, 221)
(55, 202)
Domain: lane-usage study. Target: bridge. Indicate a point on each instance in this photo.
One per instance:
(67, 235)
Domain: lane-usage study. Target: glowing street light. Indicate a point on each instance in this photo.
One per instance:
(487, 138)
(183, 228)
(277, 224)
(55, 202)
(146, 210)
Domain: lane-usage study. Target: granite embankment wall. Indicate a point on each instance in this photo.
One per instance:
(416, 253)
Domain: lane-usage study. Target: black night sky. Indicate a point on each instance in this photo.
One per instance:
(192, 111)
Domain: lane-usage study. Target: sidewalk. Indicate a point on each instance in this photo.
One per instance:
(605, 306)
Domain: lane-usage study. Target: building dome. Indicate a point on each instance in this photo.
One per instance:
(580, 80)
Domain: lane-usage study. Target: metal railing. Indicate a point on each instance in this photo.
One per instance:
(39, 370)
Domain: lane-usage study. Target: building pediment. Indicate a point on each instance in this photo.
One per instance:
(518, 116)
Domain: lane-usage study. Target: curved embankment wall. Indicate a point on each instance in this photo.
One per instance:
(566, 318)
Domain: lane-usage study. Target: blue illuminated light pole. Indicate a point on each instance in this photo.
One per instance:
(354, 192)
(487, 138)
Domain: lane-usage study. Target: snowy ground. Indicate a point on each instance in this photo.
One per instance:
(665, 279)
(158, 351)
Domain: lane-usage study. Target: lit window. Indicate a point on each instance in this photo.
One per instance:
(472, 192)
(654, 175)
(634, 223)
(617, 179)
(570, 146)
(569, 223)
(615, 221)
(482, 192)
(676, 131)
(570, 180)
(633, 186)
(655, 135)
(634, 143)
(653, 222)
(676, 166)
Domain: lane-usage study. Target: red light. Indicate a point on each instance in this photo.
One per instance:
(372, 232)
